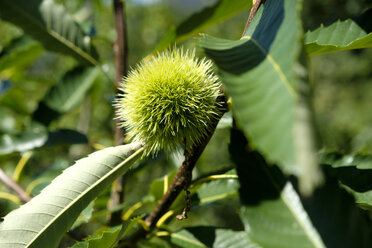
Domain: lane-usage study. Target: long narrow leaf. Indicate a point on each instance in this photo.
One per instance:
(43, 221)
(258, 72)
(52, 25)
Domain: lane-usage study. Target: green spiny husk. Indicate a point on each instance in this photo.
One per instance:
(169, 99)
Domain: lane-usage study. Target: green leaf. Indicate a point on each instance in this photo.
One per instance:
(65, 136)
(69, 92)
(276, 215)
(205, 236)
(7, 121)
(354, 171)
(258, 72)
(9, 32)
(43, 221)
(66, 94)
(340, 36)
(340, 160)
(39, 136)
(157, 186)
(202, 20)
(24, 48)
(184, 238)
(232, 239)
(84, 216)
(27, 140)
(205, 192)
(130, 227)
(102, 239)
(215, 190)
(50, 24)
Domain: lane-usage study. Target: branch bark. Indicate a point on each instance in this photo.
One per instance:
(180, 182)
(8, 182)
(120, 50)
(253, 12)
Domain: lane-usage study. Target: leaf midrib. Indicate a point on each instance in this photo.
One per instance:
(275, 66)
(55, 35)
(118, 166)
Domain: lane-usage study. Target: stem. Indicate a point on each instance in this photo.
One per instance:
(183, 177)
(120, 50)
(253, 12)
(7, 181)
(181, 181)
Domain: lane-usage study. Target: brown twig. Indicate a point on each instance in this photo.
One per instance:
(7, 181)
(183, 177)
(187, 208)
(120, 50)
(253, 12)
(180, 182)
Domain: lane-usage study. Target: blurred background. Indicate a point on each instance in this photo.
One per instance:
(342, 93)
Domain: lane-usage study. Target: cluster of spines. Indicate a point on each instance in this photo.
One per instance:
(169, 100)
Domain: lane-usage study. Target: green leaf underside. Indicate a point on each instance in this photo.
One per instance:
(208, 17)
(340, 36)
(43, 221)
(198, 237)
(50, 24)
(258, 72)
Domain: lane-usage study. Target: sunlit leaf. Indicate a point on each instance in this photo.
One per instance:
(258, 72)
(43, 221)
(341, 35)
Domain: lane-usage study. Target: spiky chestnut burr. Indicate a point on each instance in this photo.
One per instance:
(169, 100)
